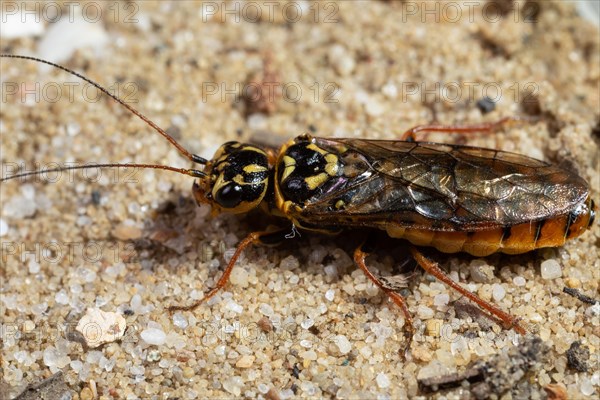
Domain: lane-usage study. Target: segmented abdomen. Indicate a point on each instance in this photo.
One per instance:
(521, 238)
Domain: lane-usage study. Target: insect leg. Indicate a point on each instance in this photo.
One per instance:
(266, 238)
(359, 258)
(487, 127)
(432, 268)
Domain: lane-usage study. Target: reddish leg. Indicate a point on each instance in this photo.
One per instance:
(462, 129)
(267, 238)
(432, 268)
(359, 259)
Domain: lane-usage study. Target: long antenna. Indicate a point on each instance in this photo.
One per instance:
(192, 157)
(191, 172)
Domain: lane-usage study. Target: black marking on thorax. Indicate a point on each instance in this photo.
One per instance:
(305, 171)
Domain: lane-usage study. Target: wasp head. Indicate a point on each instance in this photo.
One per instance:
(236, 179)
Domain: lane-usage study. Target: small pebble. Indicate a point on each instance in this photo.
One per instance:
(573, 283)
(233, 385)
(480, 271)
(424, 312)
(180, 321)
(330, 294)
(586, 387)
(382, 380)
(441, 300)
(153, 336)
(99, 327)
(289, 263)
(486, 105)
(343, 344)
(125, 231)
(374, 109)
(265, 309)
(307, 323)
(235, 307)
(433, 327)
(245, 361)
(86, 394)
(498, 292)
(239, 277)
(62, 297)
(3, 227)
(519, 281)
(550, 269)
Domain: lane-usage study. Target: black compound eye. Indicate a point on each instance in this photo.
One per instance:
(229, 196)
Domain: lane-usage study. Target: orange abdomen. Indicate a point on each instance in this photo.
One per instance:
(515, 239)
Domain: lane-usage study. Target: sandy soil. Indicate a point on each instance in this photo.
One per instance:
(300, 320)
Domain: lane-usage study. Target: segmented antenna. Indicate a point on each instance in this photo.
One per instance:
(192, 157)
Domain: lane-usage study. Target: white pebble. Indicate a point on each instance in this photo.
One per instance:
(153, 336)
(286, 394)
(382, 380)
(76, 365)
(235, 307)
(34, 266)
(441, 300)
(3, 227)
(20, 25)
(99, 327)
(374, 109)
(307, 344)
(265, 309)
(62, 297)
(262, 388)
(307, 323)
(289, 263)
(180, 321)
(343, 344)
(498, 292)
(220, 350)
(50, 356)
(593, 311)
(519, 281)
(331, 271)
(480, 271)
(245, 361)
(424, 312)
(20, 356)
(459, 346)
(233, 385)
(390, 90)
(239, 277)
(294, 279)
(330, 294)
(342, 62)
(39, 308)
(551, 269)
(67, 35)
(586, 387)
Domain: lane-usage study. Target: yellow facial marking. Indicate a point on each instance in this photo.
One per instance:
(239, 179)
(219, 183)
